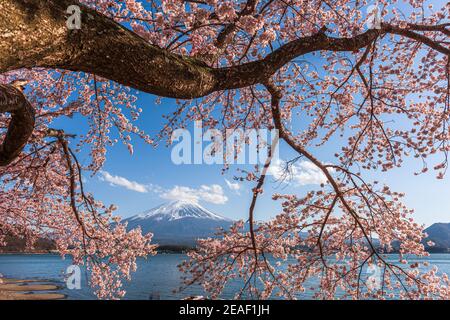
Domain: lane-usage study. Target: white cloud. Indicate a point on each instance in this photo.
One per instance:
(209, 193)
(123, 182)
(235, 186)
(213, 194)
(302, 173)
(180, 193)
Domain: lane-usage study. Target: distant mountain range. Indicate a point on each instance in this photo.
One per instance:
(179, 223)
(183, 222)
(439, 233)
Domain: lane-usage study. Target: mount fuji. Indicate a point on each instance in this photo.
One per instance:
(178, 223)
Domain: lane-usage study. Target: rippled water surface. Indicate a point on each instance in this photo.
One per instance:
(156, 278)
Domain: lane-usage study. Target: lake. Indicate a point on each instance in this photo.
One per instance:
(156, 277)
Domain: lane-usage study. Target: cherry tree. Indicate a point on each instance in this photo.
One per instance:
(317, 71)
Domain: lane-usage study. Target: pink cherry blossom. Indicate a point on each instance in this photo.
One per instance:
(319, 72)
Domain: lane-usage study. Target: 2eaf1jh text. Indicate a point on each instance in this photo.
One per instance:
(228, 309)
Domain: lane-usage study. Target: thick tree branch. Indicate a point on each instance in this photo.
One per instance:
(419, 37)
(33, 33)
(21, 125)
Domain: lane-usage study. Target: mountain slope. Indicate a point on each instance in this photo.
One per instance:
(439, 233)
(179, 223)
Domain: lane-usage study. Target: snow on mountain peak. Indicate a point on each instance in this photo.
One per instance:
(178, 210)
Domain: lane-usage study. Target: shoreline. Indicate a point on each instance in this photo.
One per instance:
(28, 253)
(169, 252)
(21, 289)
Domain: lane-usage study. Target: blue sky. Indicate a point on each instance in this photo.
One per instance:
(146, 179)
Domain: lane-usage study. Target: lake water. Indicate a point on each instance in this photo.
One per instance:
(156, 277)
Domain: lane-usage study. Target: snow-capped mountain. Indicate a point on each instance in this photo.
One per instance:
(178, 222)
(178, 210)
